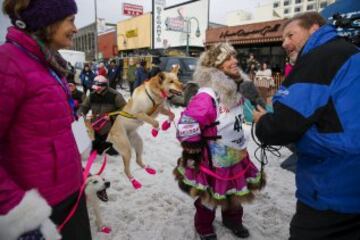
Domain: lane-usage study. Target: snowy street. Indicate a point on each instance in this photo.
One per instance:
(160, 211)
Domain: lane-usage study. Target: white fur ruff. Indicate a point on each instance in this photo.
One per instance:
(28, 215)
(224, 86)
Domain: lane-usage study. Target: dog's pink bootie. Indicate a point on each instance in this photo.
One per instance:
(154, 132)
(165, 125)
(105, 229)
(150, 170)
(136, 184)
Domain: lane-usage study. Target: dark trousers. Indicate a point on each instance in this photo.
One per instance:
(78, 226)
(85, 89)
(131, 87)
(114, 83)
(312, 224)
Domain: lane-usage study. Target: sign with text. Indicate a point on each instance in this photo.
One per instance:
(176, 24)
(173, 26)
(132, 9)
(158, 20)
(131, 33)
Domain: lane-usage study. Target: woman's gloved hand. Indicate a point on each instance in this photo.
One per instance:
(29, 218)
(47, 231)
(192, 153)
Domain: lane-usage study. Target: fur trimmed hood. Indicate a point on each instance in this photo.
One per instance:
(225, 87)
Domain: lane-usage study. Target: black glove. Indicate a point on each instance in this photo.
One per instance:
(192, 154)
(33, 235)
(249, 91)
(100, 145)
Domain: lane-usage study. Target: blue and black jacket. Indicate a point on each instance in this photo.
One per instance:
(318, 108)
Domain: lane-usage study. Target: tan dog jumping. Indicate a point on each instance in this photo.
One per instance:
(145, 104)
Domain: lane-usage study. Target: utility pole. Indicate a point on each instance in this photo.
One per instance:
(96, 31)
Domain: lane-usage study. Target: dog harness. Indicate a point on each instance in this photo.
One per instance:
(155, 106)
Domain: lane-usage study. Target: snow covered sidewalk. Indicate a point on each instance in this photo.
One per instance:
(160, 211)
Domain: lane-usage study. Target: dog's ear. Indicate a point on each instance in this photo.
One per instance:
(161, 77)
(175, 68)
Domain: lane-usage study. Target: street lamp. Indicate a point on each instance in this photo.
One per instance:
(188, 31)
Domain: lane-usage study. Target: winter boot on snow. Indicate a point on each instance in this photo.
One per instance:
(204, 218)
(211, 236)
(232, 219)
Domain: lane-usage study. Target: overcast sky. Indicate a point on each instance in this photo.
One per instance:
(111, 10)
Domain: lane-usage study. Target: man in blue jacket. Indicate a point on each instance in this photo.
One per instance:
(317, 107)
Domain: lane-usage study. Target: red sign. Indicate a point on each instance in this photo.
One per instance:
(132, 9)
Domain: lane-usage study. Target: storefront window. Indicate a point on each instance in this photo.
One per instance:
(273, 55)
(323, 4)
(310, 7)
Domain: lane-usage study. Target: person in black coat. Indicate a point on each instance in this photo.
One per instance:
(155, 69)
(114, 74)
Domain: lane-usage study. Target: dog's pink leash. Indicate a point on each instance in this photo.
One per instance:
(100, 123)
(89, 163)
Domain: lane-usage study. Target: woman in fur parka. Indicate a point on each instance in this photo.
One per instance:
(215, 166)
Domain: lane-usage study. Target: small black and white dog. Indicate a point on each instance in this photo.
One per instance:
(95, 191)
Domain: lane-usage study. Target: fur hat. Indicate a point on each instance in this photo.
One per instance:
(216, 55)
(42, 13)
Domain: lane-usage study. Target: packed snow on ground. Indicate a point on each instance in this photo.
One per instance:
(160, 211)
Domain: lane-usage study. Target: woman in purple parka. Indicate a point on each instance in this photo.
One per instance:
(40, 165)
(215, 166)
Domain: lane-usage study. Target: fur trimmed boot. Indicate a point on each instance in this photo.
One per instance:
(232, 219)
(204, 218)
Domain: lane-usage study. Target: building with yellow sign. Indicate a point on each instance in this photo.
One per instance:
(134, 35)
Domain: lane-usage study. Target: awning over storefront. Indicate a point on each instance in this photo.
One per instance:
(264, 32)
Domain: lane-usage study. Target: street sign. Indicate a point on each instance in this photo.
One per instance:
(176, 24)
(132, 9)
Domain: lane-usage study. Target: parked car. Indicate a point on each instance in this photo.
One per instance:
(187, 68)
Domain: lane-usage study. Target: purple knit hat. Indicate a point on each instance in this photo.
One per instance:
(42, 13)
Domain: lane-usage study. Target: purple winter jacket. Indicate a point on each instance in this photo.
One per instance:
(37, 146)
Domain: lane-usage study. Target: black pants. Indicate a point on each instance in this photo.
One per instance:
(78, 227)
(312, 224)
(131, 87)
(113, 83)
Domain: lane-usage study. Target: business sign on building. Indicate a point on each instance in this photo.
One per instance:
(132, 9)
(158, 20)
(176, 24)
(131, 33)
(270, 31)
(134, 33)
(172, 24)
